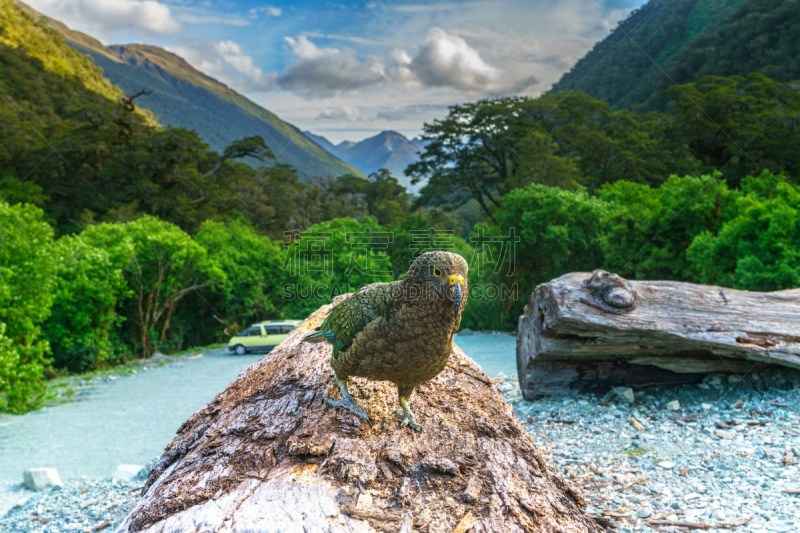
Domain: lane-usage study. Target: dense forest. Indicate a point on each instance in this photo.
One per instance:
(667, 43)
(120, 237)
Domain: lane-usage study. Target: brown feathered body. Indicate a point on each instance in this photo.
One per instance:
(400, 331)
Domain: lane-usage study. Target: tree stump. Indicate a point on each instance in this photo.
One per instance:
(268, 455)
(591, 331)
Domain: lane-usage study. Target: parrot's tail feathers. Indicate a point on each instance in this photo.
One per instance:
(317, 336)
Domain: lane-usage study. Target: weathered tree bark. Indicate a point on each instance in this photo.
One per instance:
(588, 332)
(268, 455)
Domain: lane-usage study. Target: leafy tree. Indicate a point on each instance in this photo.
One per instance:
(16, 191)
(559, 231)
(88, 290)
(384, 197)
(646, 231)
(272, 198)
(469, 154)
(27, 271)
(252, 265)
(739, 125)
(423, 231)
(320, 199)
(21, 386)
(162, 265)
(332, 258)
(485, 149)
(758, 245)
(253, 147)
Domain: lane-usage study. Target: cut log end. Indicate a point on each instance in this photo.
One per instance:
(589, 332)
(268, 454)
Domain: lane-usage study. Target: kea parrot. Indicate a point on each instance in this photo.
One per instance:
(400, 331)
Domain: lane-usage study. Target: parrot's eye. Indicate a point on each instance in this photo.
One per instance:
(437, 271)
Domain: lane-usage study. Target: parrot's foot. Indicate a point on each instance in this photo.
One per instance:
(348, 403)
(408, 419)
(351, 406)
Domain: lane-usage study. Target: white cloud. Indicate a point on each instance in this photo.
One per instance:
(413, 110)
(348, 38)
(228, 20)
(327, 71)
(269, 11)
(225, 61)
(443, 60)
(102, 18)
(347, 113)
(446, 60)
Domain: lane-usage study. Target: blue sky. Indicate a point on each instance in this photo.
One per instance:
(350, 70)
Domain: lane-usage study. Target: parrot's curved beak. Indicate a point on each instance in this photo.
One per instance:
(455, 282)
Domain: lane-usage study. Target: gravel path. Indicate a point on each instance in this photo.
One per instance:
(727, 456)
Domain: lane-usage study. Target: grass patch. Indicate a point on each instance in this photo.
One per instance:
(636, 452)
(195, 350)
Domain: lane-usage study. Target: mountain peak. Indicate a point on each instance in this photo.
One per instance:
(388, 149)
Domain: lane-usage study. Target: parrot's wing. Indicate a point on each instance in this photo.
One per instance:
(352, 316)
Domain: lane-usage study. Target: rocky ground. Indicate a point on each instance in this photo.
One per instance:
(85, 506)
(711, 456)
(714, 456)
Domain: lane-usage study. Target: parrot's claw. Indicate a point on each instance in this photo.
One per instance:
(408, 419)
(351, 406)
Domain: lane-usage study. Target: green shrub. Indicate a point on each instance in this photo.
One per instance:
(252, 264)
(161, 265)
(87, 290)
(558, 231)
(646, 231)
(27, 270)
(758, 245)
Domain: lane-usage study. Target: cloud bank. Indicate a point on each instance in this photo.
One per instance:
(102, 18)
(443, 60)
(327, 71)
(446, 60)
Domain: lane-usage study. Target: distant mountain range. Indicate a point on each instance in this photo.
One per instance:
(389, 149)
(680, 41)
(184, 97)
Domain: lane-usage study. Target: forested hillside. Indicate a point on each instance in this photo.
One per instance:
(679, 41)
(186, 98)
(86, 152)
(43, 81)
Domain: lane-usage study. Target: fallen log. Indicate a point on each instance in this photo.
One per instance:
(268, 455)
(591, 331)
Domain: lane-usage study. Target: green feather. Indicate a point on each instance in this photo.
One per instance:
(351, 316)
